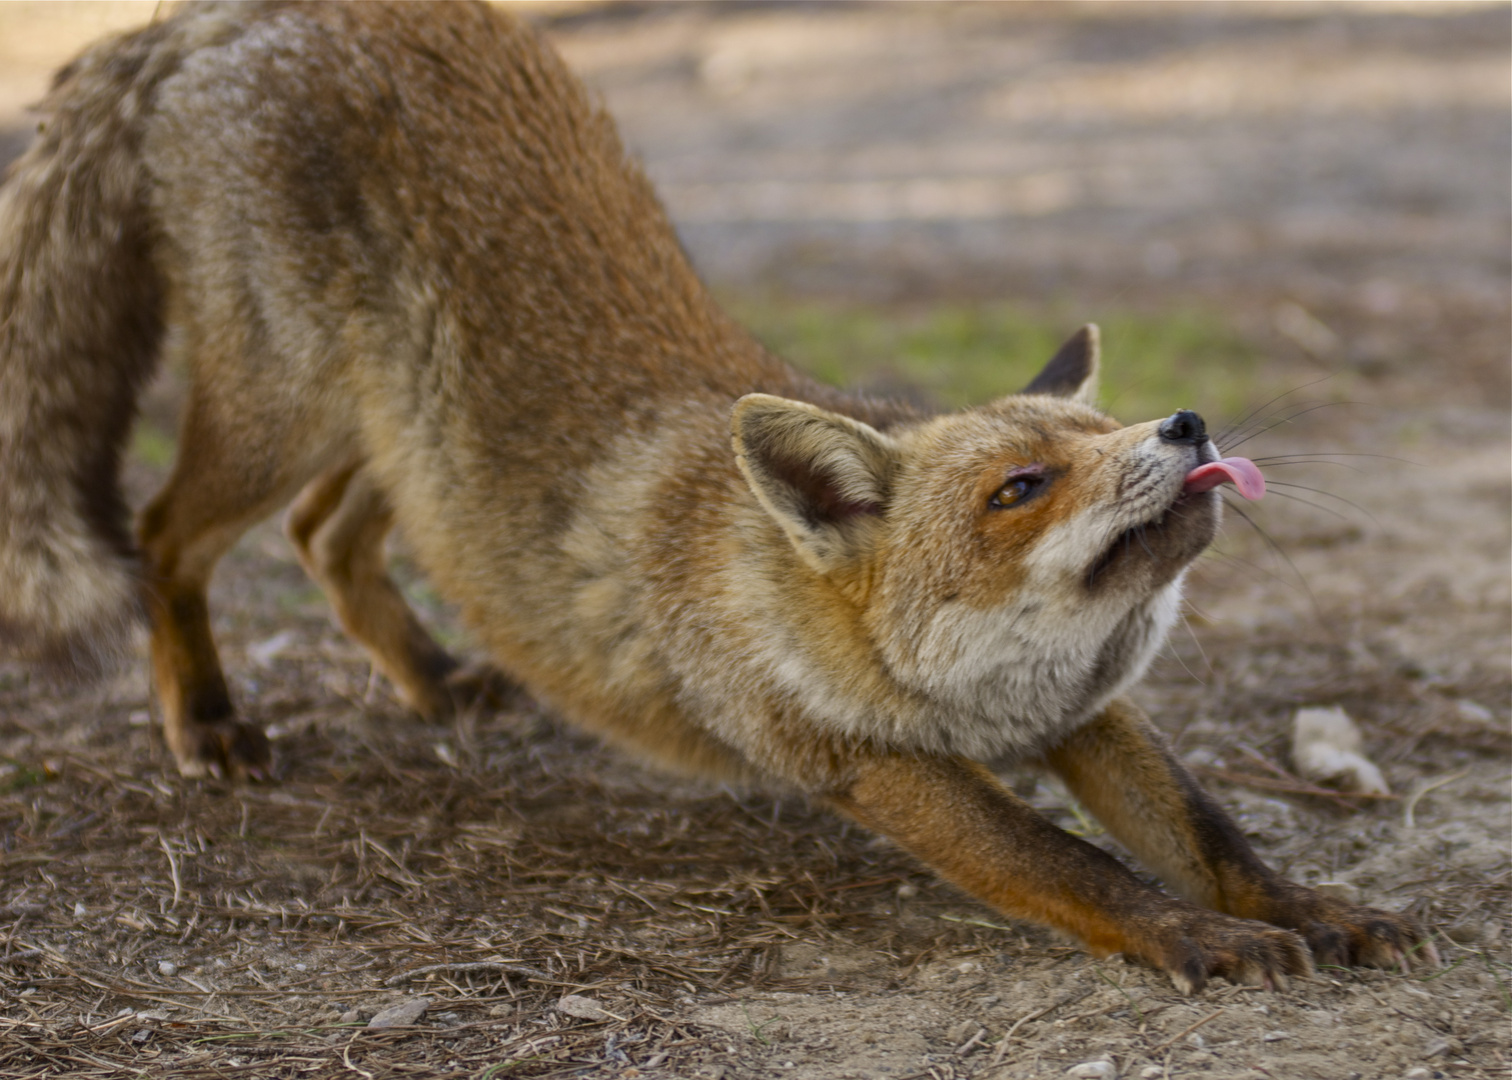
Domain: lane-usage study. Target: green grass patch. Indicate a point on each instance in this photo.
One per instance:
(958, 355)
(18, 776)
(299, 599)
(151, 445)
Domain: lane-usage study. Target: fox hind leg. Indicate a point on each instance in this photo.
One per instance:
(231, 471)
(337, 526)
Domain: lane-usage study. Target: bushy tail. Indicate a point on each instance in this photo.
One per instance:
(80, 322)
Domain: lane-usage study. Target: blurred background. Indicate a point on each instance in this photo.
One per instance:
(932, 193)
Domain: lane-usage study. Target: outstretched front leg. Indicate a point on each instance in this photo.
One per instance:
(1121, 769)
(963, 822)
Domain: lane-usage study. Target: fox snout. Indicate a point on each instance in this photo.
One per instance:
(1183, 426)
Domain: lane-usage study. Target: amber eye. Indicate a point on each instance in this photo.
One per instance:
(1022, 483)
(1015, 491)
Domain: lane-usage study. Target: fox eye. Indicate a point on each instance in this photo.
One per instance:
(1015, 491)
(1022, 484)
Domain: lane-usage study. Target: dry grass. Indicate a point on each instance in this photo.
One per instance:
(492, 866)
(488, 865)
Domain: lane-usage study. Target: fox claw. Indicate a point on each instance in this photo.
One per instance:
(1348, 935)
(1239, 950)
(481, 686)
(225, 750)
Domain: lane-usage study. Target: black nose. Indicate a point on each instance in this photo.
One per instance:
(1184, 427)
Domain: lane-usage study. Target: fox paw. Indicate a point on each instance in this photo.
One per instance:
(479, 685)
(1342, 934)
(228, 749)
(1202, 944)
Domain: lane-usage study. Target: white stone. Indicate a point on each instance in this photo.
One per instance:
(1339, 890)
(402, 1014)
(585, 1008)
(1327, 749)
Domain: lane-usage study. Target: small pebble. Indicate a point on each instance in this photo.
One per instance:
(1466, 933)
(585, 1008)
(1339, 890)
(402, 1014)
(1418, 1073)
(1475, 712)
(167, 967)
(80, 910)
(1275, 1036)
(1151, 1072)
(907, 891)
(964, 1030)
(1093, 1070)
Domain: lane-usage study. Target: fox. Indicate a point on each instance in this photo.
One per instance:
(418, 284)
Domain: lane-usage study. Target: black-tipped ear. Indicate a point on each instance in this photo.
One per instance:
(822, 476)
(1072, 371)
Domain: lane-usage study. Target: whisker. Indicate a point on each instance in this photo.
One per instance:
(1326, 495)
(1304, 502)
(1264, 422)
(1281, 554)
(1277, 462)
(1187, 624)
(1228, 556)
(1287, 420)
(1324, 456)
(1230, 427)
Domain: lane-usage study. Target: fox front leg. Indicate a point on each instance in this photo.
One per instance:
(1121, 769)
(958, 818)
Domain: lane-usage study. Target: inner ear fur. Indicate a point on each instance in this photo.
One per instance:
(823, 477)
(1072, 371)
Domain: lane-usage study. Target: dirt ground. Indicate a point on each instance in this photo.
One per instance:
(1330, 180)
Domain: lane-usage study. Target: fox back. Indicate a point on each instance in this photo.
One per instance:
(412, 240)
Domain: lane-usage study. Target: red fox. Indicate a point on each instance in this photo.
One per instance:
(416, 283)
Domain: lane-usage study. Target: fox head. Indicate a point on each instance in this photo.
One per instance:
(1017, 563)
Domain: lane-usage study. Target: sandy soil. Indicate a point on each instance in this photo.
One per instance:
(1332, 179)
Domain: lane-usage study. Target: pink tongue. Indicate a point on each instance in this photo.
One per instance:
(1241, 472)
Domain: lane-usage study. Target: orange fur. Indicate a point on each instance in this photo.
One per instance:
(413, 275)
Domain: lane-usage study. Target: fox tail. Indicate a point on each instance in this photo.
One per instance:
(81, 318)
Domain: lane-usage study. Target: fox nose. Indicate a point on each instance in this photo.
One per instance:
(1184, 427)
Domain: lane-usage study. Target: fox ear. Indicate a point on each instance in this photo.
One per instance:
(1072, 371)
(822, 476)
